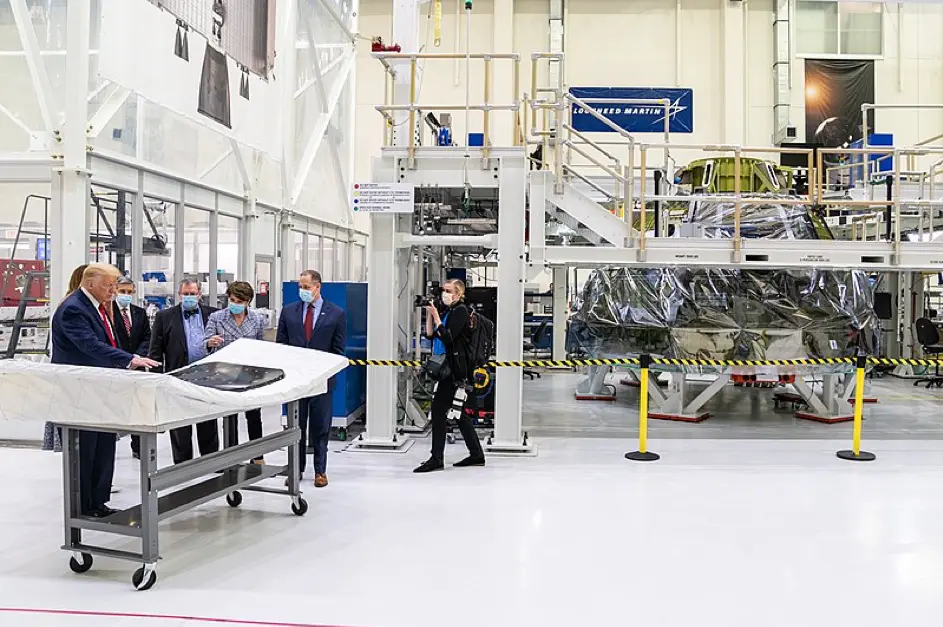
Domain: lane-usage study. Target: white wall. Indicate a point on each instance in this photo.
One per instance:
(634, 43)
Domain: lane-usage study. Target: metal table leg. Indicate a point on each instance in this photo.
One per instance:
(146, 576)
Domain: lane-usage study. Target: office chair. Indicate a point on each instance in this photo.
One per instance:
(539, 340)
(929, 338)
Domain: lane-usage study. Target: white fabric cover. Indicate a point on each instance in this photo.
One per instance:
(140, 401)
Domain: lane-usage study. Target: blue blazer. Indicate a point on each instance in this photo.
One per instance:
(79, 337)
(329, 334)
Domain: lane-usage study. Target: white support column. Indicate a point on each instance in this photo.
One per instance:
(733, 55)
(137, 231)
(250, 222)
(560, 275)
(212, 295)
(69, 211)
(382, 303)
(284, 269)
(503, 74)
(512, 197)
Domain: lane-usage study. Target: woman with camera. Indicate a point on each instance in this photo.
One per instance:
(450, 351)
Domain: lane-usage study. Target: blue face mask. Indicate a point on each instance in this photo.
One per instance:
(190, 301)
(124, 300)
(235, 309)
(306, 296)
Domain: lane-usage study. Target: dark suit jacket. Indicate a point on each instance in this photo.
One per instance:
(169, 339)
(329, 334)
(79, 337)
(140, 338)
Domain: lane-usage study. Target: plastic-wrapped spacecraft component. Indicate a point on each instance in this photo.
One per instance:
(702, 313)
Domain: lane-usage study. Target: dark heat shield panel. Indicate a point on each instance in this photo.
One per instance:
(635, 118)
(214, 87)
(834, 92)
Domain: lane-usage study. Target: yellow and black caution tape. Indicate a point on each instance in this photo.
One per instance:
(884, 361)
(385, 362)
(835, 361)
(539, 363)
(659, 361)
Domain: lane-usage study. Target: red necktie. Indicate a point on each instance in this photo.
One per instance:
(127, 321)
(309, 322)
(104, 315)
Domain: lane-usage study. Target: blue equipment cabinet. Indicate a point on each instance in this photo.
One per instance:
(350, 391)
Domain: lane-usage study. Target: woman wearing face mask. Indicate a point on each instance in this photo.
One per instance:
(228, 325)
(449, 335)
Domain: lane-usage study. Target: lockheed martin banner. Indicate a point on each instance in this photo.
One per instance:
(635, 118)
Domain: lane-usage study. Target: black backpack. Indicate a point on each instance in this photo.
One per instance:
(480, 340)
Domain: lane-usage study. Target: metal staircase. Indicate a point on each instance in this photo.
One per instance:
(580, 213)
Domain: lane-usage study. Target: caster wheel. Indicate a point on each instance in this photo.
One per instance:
(144, 579)
(342, 435)
(300, 508)
(234, 499)
(83, 566)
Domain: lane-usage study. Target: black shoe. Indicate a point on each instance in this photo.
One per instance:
(430, 465)
(471, 460)
(136, 454)
(102, 512)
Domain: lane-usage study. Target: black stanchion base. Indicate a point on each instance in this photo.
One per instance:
(862, 456)
(638, 456)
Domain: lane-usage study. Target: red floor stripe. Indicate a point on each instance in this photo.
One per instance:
(196, 619)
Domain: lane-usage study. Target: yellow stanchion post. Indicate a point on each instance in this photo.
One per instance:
(856, 454)
(643, 454)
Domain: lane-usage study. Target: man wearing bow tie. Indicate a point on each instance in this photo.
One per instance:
(314, 323)
(177, 341)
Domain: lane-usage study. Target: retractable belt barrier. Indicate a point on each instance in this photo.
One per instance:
(646, 363)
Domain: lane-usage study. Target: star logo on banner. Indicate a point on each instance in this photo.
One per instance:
(673, 110)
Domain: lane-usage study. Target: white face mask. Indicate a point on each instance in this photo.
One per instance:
(447, 298)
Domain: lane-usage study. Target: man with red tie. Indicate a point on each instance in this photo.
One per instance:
(83, 335)
(314, 323)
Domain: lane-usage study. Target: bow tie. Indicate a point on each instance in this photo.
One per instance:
(189, 312)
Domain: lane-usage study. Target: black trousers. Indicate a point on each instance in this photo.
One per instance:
(136, 444)
(314, 418)
(253, 423)
(181, 440)
(441, 403)
(96, 468)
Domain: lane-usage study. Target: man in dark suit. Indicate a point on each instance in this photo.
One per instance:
(133, 331)
(177, 341)
(314, 323)
(83, 335)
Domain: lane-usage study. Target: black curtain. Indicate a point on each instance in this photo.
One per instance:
(834, 93)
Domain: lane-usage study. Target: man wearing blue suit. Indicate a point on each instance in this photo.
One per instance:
(83, 334)
(314, 323)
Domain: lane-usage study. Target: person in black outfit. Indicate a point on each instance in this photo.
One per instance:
(133, 331)
(449, 334)
(177, 341)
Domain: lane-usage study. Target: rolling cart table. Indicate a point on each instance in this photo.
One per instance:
(297, 373)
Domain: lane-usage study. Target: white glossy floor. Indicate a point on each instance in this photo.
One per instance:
(725, 533)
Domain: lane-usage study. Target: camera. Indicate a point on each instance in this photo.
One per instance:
(432, 297)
